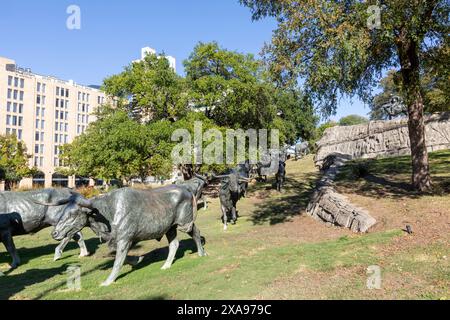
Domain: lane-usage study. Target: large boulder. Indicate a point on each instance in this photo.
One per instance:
(381, 138)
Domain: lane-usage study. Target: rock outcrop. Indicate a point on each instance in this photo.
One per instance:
(382, 138)
(376, 139)
(328, 206)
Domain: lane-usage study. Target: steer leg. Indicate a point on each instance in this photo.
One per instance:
(11, 248)
(224, 217)
(205, 203)
(60, 248)
(173, 247)
(122, 250)
(78, 237)
(195, 234)
(233, 215)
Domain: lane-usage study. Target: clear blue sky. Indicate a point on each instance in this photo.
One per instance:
(112, 33)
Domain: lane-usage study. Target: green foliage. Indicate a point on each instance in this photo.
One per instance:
(330, 46)
(115, 146)
(336, 49)
(352, 120)
(236, 93)
(13, 159)
(156, 90)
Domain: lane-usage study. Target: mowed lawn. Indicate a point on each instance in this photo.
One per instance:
(275, 251)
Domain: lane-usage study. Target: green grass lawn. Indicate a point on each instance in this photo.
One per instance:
(273, 252)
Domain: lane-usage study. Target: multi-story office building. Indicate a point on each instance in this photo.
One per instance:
(45, 113)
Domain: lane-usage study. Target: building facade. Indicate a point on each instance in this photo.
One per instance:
(45, 113)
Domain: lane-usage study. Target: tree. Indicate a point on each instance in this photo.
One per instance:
(338, 48)
(150, 89)
(352, 120)
(13, 160)
(113, 147)
(235, 92)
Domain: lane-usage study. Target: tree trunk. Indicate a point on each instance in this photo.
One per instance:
(410, 68)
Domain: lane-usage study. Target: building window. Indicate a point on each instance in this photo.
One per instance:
(57, 91)
(37, 123)
(43, 87)
(38, 99)
(42, 124)
(16, 82)
(38, 111)
(20, 108)
(10, 80)
(19, 134)
(20, 122)
(8, 120)
(22, 83)
(8, 106)
(9, 93)
(15, 107)
(38, 87)
(21, 95)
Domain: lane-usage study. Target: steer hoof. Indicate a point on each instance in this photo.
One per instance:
(57, 256)
(106, 284)
(165, 267)
(2, 274)
(85, 254)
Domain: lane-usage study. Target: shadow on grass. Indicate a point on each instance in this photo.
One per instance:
(294, 198)
(160, 254)
(390, 178)
(28, 254)
(13, 284)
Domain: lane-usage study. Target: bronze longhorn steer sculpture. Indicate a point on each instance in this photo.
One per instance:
(229, 195)
(127, 216)
(30, 217)
(196, 185)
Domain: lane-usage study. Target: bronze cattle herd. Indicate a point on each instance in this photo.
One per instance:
(127, 216)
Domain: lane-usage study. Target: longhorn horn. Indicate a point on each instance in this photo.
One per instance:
(55, 204)
(83, 202)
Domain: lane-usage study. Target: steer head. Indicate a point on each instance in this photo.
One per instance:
(74, 216)
(231, 181)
